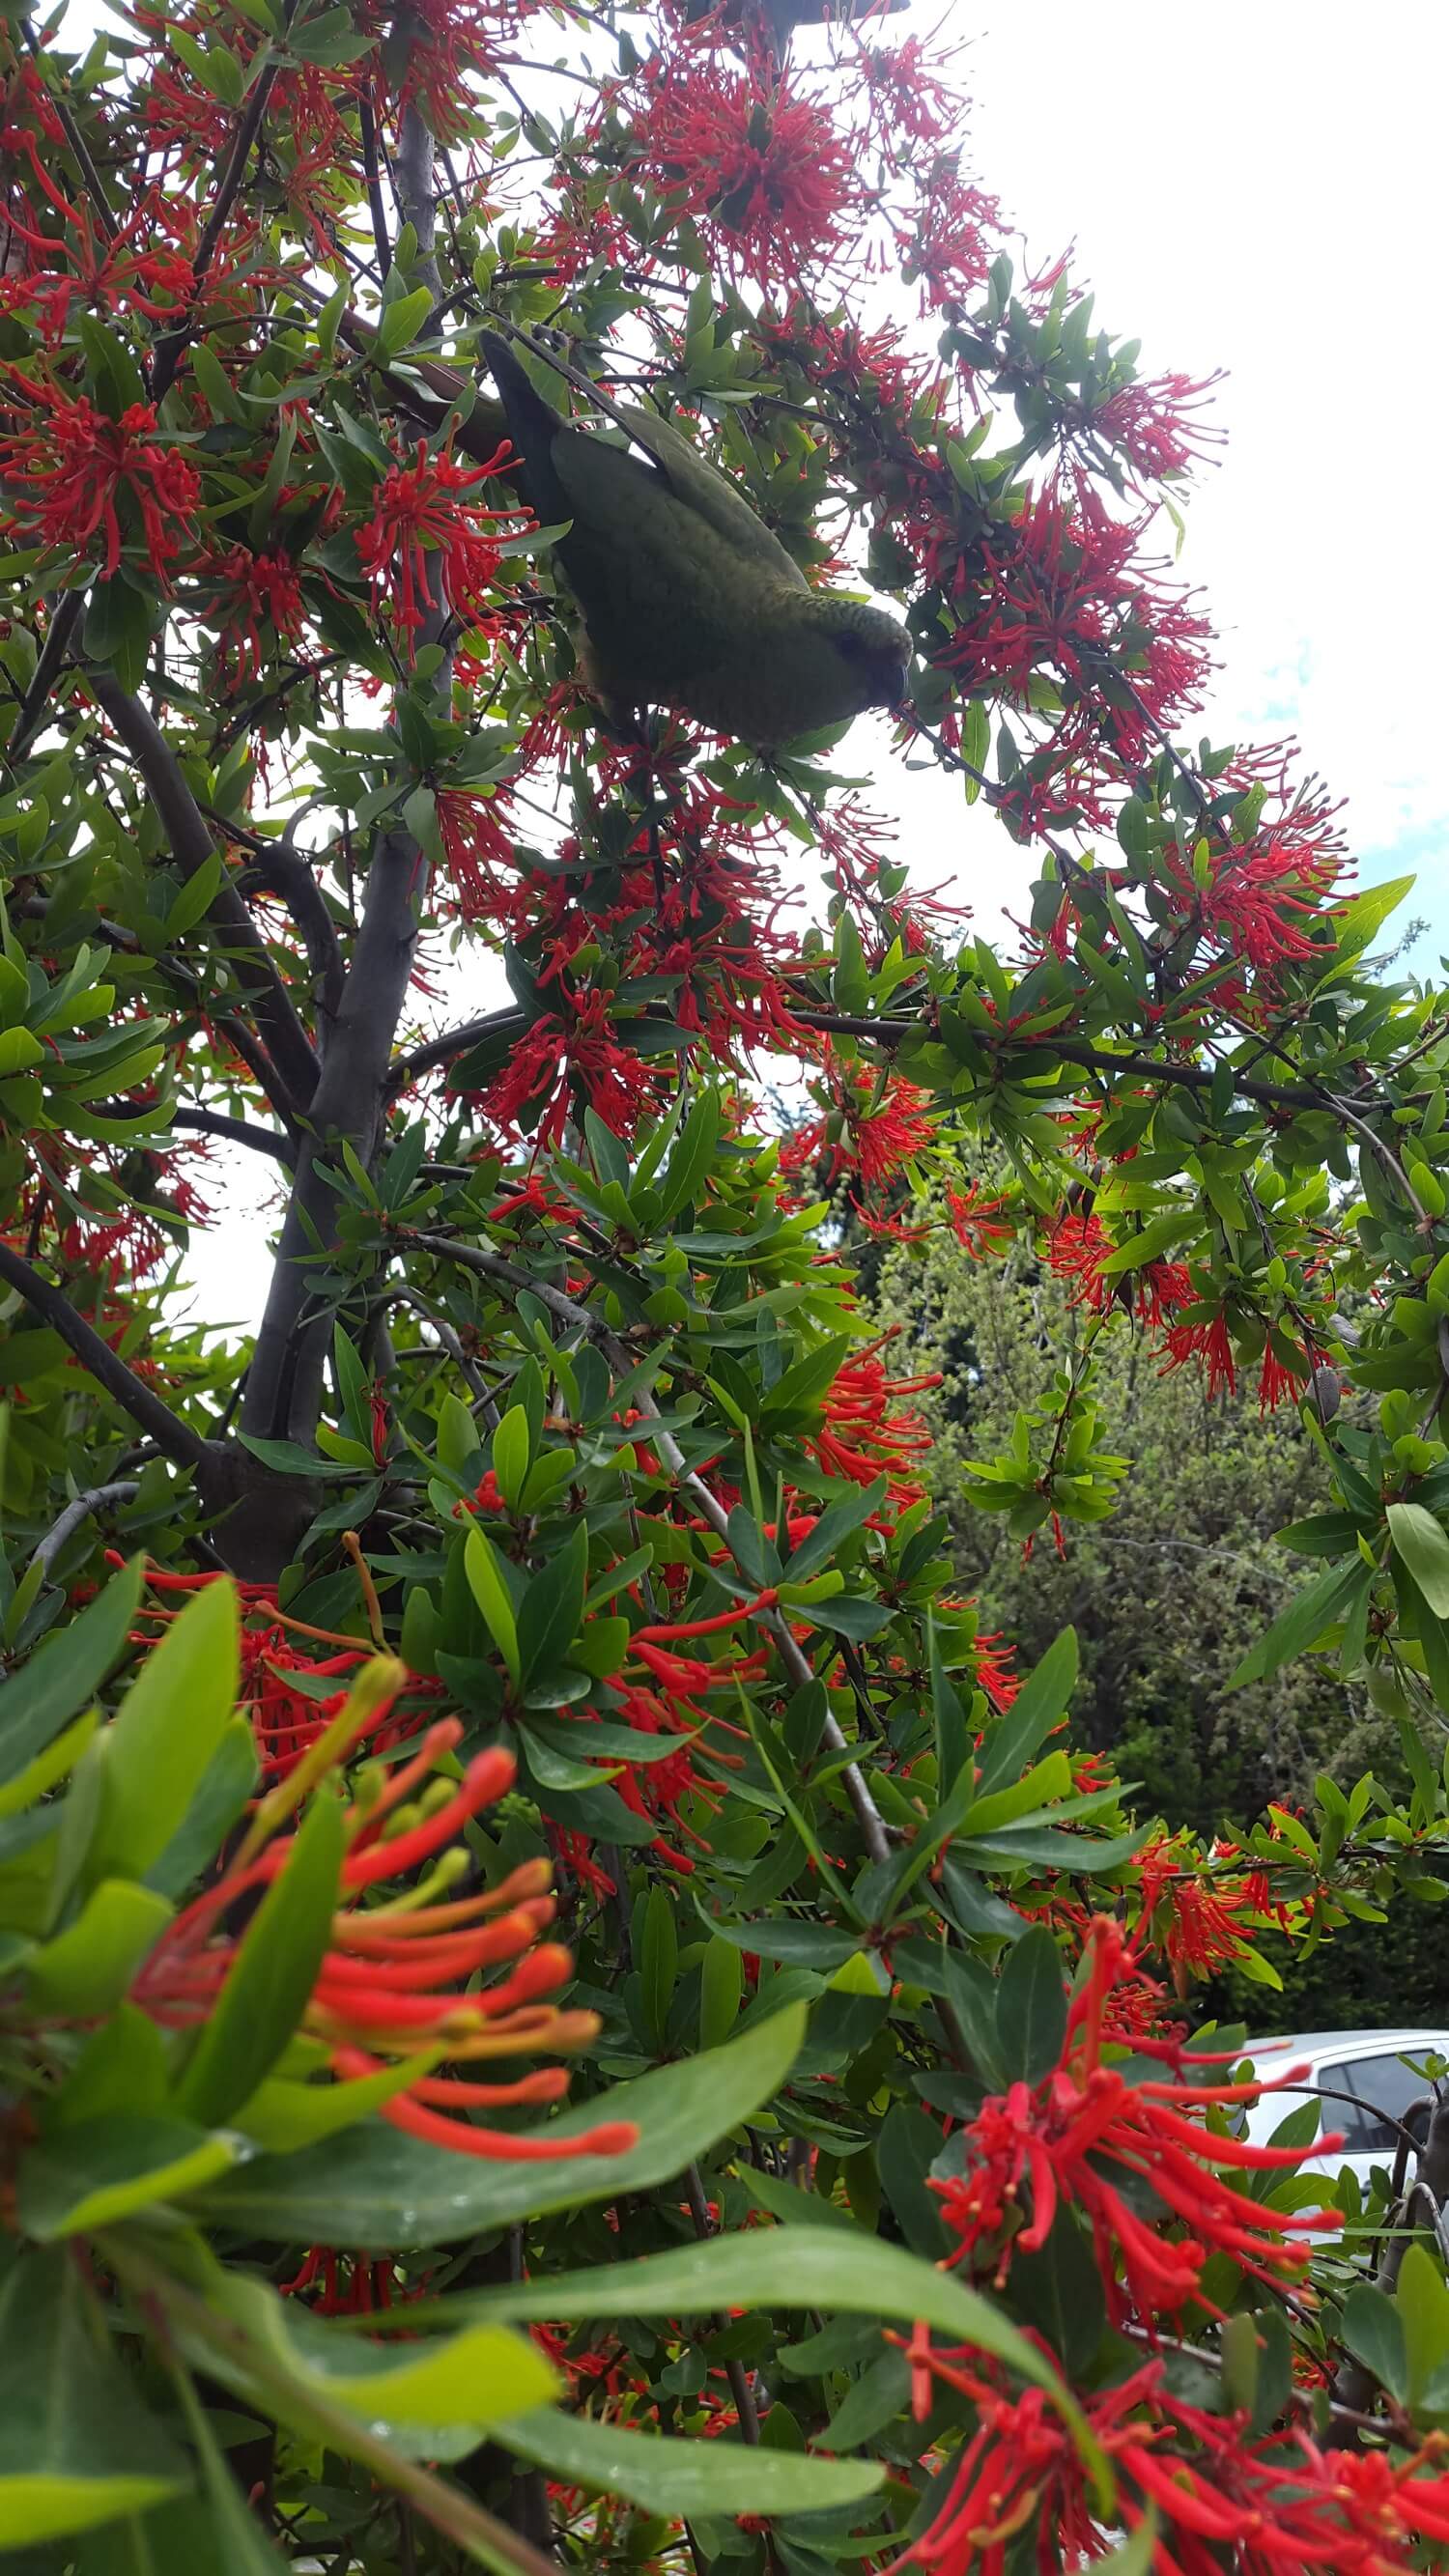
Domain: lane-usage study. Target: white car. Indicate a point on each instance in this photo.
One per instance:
(1367, 2065)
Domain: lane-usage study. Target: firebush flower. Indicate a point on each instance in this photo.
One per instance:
(424, 519)
(257, 600)
(765, 167)
(395, 1980)
(975, 1222)
(863, 1436)
(76, 477)
(1088, 2137)
(1270, 2504)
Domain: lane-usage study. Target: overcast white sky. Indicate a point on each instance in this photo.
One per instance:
(1256, 185)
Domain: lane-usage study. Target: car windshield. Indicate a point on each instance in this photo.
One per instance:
(1386, 2090)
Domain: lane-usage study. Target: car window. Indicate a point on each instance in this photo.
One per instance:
(1383, 2085)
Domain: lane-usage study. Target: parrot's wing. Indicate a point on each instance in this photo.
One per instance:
(702, 488)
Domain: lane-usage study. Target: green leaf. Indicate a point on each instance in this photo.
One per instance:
(242, 2547)
(1302, 1623)
(685, 2479)
(1039, 1705)
(1424, 1547)
(489, 1587)
(907, 2147)
(65, 1673)
(401, 322)
(1031, 2007)
(1423, 2304)
(721, 1984)
(1374, 2333)
(512, 1449)
(165, 1733)
(272, 1975)
(77, 2447)
(386, 2190)
(82, 2178)
(826, 2267)
(552, 1608)
(87, 1968)
(470, 2377)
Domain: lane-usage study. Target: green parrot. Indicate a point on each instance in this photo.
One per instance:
(685, 597)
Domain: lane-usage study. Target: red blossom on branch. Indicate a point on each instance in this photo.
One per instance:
(764, 167)
(1086, 2137)
(74, 476)
(425, 529)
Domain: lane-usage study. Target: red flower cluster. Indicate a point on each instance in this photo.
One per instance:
(975, 1223)
(1274, 2504)
(75, 476)
(1076, 1248)
(862, 1436)
(257, 600)
(397, 1982)
(424, 534)
(563, 1059)
(763, 167)
(1086, 2137)
(873, 1129)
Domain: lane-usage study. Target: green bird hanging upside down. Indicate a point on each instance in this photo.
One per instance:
(685, 597)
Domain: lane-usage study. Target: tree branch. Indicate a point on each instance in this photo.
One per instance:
(349, 1103)
(95, 1499)
(443, 1050)
(241, 1131)
(60, 635)
(1184, 1077)
(174, 1438)
(172, 349)
(280, 869)
(192, 847)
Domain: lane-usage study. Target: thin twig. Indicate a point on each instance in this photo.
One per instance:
(96, 1498)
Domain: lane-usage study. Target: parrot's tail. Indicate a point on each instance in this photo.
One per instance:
(533, 425)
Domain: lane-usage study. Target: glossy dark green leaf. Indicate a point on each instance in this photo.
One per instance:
(375, 2187)
(685, 2478)
(77, 2444)
(272, 1975)
(64, 1673)
(1374, 2333)
(1031, 2007)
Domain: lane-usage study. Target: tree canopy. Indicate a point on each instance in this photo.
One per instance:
(538, 1650)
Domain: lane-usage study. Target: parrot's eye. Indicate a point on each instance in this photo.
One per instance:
(853, 646)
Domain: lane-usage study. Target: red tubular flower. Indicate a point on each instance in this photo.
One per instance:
(973, 1221)
(256, 595)
(74, 475)
(1210, 1344)
(763, 166)
(871, 1130)
(861, 1436)
(952, 237)
(477, 847)
(559, 1054)
(424, 511)
(1270, 2504)
(396, 1981)
(1157, 424)
(1087, 2137)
